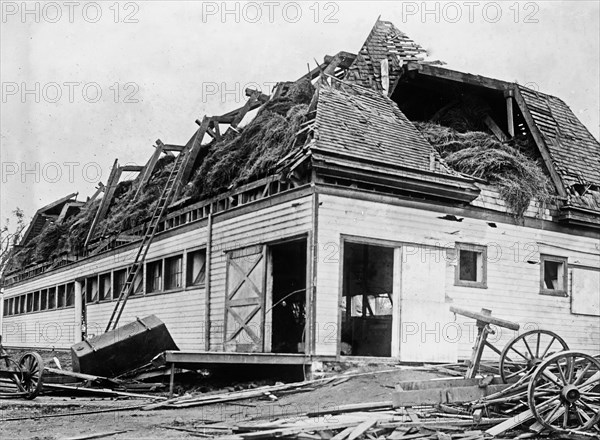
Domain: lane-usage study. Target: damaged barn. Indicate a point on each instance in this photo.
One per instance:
(343, 220)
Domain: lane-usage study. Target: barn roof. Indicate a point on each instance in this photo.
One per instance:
(571, 153)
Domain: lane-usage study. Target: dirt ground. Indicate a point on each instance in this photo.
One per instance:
(55, 417)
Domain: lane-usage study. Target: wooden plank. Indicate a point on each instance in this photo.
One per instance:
(491, 124)
(149, 168)
(191, 153)
(488, 319)
(419, 397)
(470, 394)
(171, 147)
(111, 186)
(511, 423)
(443, 383)
(453, 75)
(361, 429)
(132, 168)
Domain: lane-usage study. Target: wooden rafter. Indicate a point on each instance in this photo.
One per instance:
(192, 150)
(149, 168)
(111, 186)
(539, 140)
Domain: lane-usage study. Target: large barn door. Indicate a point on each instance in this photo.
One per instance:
(425, 320)
(244, 303)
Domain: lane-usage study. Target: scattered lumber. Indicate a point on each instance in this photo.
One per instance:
(100, 391)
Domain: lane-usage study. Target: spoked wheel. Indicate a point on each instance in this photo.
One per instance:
(15, 379)
(564, 392)
(32, 369)
(525, 352)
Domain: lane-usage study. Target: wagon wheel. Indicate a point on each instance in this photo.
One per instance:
(16, 377)
(564, 392)
(525, 352)
(32, 368)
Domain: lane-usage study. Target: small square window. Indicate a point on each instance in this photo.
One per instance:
(174, 272)
(44, 299)
(91, 289)
(196, 268)
(119, 279)
(471, 269)
(104, 289)
(36, 301)
(51, 298)
(61, 297)
(553, 275)
(70, 295)
(29, 306)
(154, 276)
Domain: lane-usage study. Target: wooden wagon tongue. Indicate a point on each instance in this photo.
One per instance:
(484, 319)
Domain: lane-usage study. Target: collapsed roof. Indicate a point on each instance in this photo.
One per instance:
(355, 118)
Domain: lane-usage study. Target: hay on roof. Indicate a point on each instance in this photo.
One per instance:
(239, 157)
(519, 178)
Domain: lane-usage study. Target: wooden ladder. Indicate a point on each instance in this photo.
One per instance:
(138, 263)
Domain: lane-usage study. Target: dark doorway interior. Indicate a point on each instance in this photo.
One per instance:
(289, 296)
(367, 305)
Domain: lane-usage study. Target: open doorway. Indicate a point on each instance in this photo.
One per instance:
(288, 293)
(367, 303)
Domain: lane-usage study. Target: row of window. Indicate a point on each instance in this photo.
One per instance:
(167, 274)
(57, 297)
(471, 270)
(161, 276)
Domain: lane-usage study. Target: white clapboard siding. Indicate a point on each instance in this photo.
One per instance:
(513, 270)
(182, 312)
(285, 220)
(52, 329)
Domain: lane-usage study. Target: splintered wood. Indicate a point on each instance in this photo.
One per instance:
(560, 397)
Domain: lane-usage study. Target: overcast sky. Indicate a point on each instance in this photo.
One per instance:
(84, 83)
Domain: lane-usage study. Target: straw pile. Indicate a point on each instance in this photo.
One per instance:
(239, 157)
(519, 178)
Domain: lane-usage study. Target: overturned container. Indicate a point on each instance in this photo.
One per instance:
(122, 349)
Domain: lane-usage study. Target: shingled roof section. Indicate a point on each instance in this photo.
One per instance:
(384, 42)
(363, 124)
(574, 151)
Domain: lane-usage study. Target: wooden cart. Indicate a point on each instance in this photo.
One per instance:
(24, 375)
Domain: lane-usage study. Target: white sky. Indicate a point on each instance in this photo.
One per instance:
(178, 60)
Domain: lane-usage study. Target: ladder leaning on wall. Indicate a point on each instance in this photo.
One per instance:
(159, 211)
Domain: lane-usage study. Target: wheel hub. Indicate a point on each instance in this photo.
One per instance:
(534, 362)
(570, 393)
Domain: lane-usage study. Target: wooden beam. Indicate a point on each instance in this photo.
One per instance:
(191, 153)
(144, 176)
(453, 75)
(491, 124)
(245, 109)
(509, 113)
(132, 168)
(259, 95)
(171, 147)
(539, 140)
(100, 189)
(111, 185)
